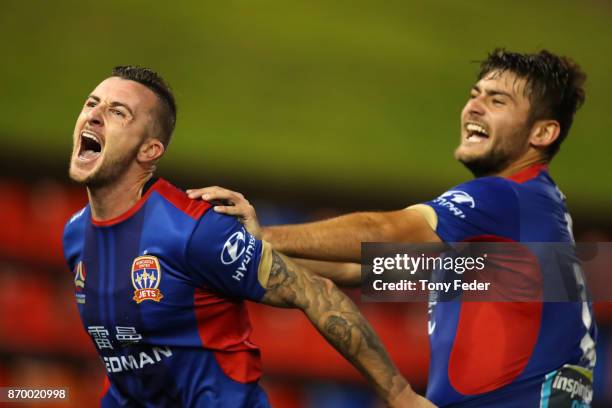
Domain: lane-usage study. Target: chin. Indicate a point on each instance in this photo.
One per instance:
(82, 176)
(483, 164)
(76, 174)
(465, 155)
(79, 177)
(476, 167)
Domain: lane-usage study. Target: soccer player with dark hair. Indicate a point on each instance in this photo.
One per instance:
(160, 280)
(483, 354)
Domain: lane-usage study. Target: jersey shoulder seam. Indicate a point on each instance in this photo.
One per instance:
(179, 199)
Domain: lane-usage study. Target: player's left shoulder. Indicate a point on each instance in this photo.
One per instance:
(221, 227)
(222, 254)
(223, 238)
(179, 199)
(219, 236)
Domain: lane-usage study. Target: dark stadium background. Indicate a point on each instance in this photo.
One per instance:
(310, 108)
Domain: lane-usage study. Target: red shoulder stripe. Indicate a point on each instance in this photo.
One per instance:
(193, 208)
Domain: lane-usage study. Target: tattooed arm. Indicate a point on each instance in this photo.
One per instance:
(339, 321)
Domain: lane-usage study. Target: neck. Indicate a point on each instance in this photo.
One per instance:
(112, 200)
(523, 162)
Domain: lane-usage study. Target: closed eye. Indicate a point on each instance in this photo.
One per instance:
(117, 112)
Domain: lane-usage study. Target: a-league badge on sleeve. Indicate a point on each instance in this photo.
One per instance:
(79, 282)
(146, 274)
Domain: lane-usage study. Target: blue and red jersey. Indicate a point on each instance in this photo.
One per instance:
(508, 354)
(161, 290)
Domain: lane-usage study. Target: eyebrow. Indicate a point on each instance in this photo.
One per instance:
(493, 92)
(112, 104)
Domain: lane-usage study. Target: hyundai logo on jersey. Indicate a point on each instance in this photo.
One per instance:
(146, 274)
(233, 248)
(459, 197)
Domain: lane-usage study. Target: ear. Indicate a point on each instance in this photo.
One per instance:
(544, 133)
(150, 151)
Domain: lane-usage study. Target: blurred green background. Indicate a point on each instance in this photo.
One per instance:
(348, 97)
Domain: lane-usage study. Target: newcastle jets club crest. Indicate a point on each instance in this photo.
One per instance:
(146, 274)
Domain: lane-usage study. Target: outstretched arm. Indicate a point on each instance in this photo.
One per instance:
(339, 321)
(340, 238)
(335, 239)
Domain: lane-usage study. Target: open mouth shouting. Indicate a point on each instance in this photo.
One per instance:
(476, 132)
(90, 146)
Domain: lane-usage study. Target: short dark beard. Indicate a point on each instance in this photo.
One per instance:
(499, 158)
(488, 165)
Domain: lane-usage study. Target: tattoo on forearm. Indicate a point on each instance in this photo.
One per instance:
(338, 328)
(336, 317)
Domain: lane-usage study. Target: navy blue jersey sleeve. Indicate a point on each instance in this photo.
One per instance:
(225, 257)
(485, 206)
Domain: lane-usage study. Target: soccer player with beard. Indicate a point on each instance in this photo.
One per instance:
(160, 280)
(504, 354)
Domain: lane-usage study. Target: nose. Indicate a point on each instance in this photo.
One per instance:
(94, 116)
(475, 106)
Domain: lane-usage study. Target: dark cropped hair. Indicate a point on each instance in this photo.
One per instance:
(153, 81)
(554, 85)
